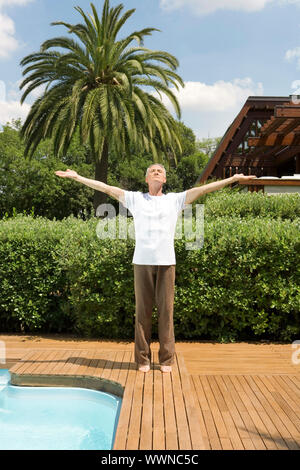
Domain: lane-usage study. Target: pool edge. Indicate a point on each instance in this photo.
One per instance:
(44, 380)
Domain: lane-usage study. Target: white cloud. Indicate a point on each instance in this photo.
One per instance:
(8, 42)
(204, 7)
(8, 3)
(210, 109)
(2, 91)
(12, 110)
(292, 54)
(10, 106)
(14, 92)
(220, 96)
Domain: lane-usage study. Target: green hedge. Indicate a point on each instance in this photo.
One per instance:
(233, 202)
(243, 284)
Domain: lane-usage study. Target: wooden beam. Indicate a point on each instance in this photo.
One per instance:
(250, 162)
(293, 124)
(287, 154)
(208, 170)
(265, 151)
(279, 182)
(274, 139)
(298, 163)
(270, 126)
(268, 140)
(287, 112)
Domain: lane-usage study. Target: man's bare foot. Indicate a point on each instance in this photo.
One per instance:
(144, 368)
(166, 368)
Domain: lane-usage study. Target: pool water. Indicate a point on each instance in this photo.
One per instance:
(56, 418)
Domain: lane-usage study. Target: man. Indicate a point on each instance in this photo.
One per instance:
(155, 215)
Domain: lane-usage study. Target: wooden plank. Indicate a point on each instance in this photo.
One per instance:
(61, 360)
(288, 429)
(84, 369)
(73, 362)
(273, 397)
(236, 417)
(271, 125)
(159, 438)
(147, 413)
(126, 410)
(226, 444)
(246, 411)
(287, 112)
(260, 433)
(278, 385)
(208, 418)
(83, 363)
(31, 364)
(190, 405)
(201, 404)
(46, 362)
(170, 420)
(125, 368)
(292, 383)
(98, 362)
(295, 380)
(105, 361)
(227, 419)
(184, 438)
(133, 439)
(107, 369)
(21, 365)
(116, 367)
(274, 139)
(267, 413)
(258, 358)
(215, 410)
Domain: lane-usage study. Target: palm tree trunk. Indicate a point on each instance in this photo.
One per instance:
(101, 175)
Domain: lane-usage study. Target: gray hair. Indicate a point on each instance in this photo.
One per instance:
(159, 164)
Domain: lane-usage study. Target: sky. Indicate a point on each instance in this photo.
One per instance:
(227, 50)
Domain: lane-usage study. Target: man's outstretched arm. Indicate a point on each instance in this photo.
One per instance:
(194, 193)
(113, 191)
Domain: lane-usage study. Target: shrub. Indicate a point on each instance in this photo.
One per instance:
(58, 276)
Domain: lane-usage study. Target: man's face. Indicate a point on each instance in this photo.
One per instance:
(156, 173)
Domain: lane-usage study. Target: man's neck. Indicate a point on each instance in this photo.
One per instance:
(155, 190)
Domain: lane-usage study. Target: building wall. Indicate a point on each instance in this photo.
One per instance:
(277, 189)
(281, 189)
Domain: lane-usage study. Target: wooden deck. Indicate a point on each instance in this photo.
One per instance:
(158, 410)
(218, 396)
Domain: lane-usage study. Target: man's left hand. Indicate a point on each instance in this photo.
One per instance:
(239, 177)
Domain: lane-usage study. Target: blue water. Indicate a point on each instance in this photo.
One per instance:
(56, 418)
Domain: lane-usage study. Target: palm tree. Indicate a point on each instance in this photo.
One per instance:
(101, 85)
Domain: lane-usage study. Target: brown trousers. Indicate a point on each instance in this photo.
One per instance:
(154, 284)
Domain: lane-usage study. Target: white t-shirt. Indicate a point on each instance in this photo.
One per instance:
(155, 219)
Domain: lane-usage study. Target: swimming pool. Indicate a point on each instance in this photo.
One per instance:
(56, 418)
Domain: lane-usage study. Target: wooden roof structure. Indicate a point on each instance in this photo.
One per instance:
(263, 140)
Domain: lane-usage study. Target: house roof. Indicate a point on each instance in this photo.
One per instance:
(279, 137)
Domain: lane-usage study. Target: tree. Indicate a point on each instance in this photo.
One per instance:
(99, 86)
(208, 145)
(31, 186)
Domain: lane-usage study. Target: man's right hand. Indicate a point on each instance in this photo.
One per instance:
(67, 174)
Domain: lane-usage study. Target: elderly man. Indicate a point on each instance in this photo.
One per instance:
(155, 215)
